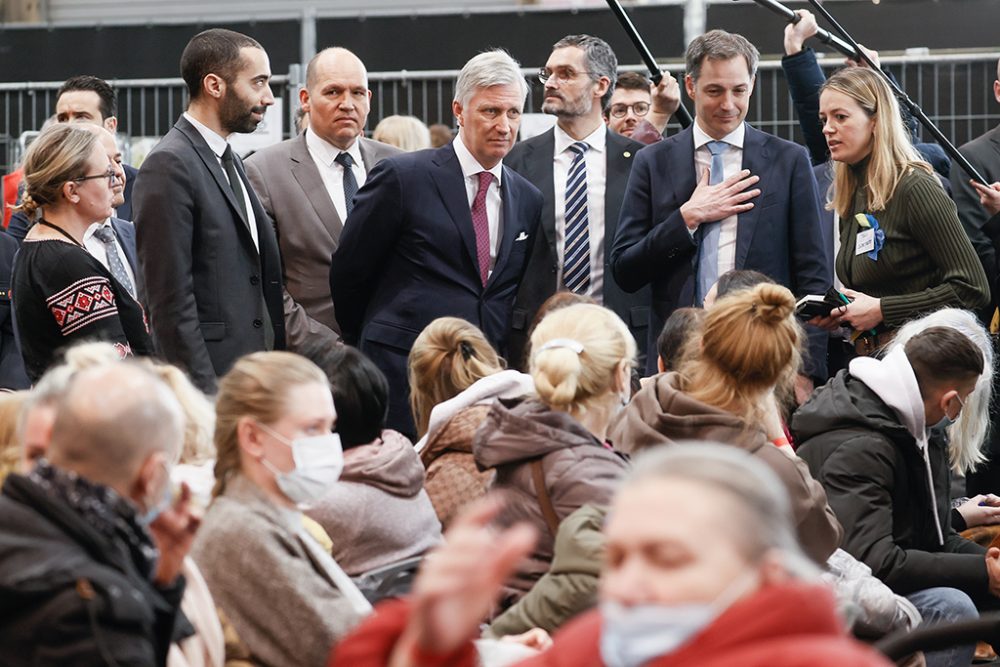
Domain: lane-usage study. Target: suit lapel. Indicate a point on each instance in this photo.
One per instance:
(618, 167)
(510, 225)
(680, 162)
(306, 174)
(755, 158)
(538, 163)
(447, 176)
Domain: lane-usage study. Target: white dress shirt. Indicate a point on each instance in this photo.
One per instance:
(218, 144)
(494, 202)
(732, 162)
(597, 177)
(99, 251)
(324, 155)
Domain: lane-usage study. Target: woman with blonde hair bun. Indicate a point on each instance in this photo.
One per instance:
(455, 375)
(549, 451)
(724, 392)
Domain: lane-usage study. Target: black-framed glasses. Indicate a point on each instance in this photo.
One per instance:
(109, 174)
(621, 110)
(565, 75)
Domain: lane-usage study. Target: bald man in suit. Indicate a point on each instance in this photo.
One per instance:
(304, 185)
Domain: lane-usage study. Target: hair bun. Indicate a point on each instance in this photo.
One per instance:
(773, 303)
(28, 205)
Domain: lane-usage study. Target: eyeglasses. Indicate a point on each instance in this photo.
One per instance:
(621, 110)
(109, 174)
(565, 75)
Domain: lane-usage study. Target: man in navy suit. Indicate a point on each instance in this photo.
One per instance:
(721, 195)
(439, 232)
(92, 100)
(580, 214)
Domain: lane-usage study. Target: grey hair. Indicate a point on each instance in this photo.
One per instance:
(601, 59)
(488, 69)
(719, 45)
(968, 434)
(765, 521)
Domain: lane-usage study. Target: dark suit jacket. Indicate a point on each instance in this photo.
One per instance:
(205, 282)
(19, 223)
(12, 373)
(533, 159)
(780, 237)
(308, 227)
(408, 256)
(984, 154)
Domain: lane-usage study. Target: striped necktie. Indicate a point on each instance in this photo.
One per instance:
(708, 248)
(576, 256)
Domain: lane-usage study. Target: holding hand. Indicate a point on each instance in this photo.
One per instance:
(797, 33)
(666, 98)
(989, 196)
(709, 203)
(860, 62)
(981, 510)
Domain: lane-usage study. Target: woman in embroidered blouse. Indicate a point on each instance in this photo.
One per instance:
(61, 293)
(902, 249)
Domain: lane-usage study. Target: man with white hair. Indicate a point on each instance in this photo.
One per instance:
(91, 546)
(439, 232)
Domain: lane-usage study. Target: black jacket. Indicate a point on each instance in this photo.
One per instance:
(70, 596)
(876, 482)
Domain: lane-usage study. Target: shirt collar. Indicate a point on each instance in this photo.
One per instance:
(596, 139)
(328, 152)
(470, 165)
(734, 138)
(214, 140)
(89, 234)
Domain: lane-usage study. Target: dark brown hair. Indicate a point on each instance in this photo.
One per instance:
(942, 355)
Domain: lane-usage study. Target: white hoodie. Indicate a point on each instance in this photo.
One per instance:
(892, 379)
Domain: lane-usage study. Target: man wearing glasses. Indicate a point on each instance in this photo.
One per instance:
(640, 110)
(581, 169)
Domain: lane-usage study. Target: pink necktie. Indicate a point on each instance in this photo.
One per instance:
(481, 225)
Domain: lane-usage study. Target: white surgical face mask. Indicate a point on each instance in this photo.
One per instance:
(319, 460)
(633, 636)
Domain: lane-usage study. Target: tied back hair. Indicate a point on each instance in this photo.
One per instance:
(751, 345)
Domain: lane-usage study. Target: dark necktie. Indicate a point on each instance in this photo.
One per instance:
(235, 183)
(576, 253)
(481, 225)
(106, 235)
(350, 183)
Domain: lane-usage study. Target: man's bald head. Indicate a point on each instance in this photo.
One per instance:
(111, 420)
(335, 58)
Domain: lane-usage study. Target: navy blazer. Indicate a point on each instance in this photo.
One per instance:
(407, 256)
(533, 159)
(780, 236)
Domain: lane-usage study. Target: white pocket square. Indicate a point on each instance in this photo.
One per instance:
(522, 236)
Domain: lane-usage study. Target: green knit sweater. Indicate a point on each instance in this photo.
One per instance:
(927, 261)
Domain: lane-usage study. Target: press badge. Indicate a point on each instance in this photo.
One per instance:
(865, 242)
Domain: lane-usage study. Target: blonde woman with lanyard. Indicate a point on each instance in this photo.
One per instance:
(902, 249)
(61, 293)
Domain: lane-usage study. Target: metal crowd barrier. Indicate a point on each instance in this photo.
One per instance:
(954, 89)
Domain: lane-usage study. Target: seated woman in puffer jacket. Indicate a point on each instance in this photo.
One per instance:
(549, 452)
(378, 512)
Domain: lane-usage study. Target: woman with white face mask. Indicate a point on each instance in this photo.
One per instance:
(276, 452)
(673, 592)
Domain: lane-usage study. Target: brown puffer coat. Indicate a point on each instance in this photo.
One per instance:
(661, 414)
(578, 470)
(453, 480)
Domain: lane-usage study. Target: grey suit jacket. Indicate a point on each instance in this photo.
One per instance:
(291, 189)
(267, 581)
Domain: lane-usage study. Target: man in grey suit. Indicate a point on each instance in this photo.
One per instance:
(307, 186)
(582, 168)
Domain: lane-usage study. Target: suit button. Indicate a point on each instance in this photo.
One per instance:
(254, 280)
(257, 324)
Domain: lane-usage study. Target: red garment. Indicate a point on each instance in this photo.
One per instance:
(792, 625)
(11, 182)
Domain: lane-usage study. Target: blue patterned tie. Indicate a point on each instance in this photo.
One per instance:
(107, 236)
(576, 256)
(708, 248)
(350, 183)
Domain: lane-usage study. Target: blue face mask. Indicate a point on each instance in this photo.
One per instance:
(157, 508)
(632, 636)
(947, 421)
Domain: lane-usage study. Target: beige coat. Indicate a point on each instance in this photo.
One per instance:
(271, 579)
